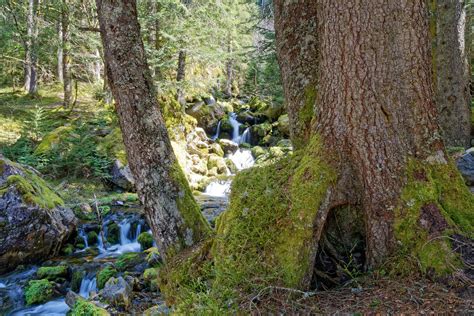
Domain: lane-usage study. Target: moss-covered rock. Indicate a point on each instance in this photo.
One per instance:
(129, 261)
(104, 275)
(150, 276)
(113, 233)
(52, 273)
(258, 151)
(146, 240)
(216, 149)
(214, 161)
(53, 139)
(85, 308)
(92, 237)
(38, 291)
(76, 279)
(68, 250)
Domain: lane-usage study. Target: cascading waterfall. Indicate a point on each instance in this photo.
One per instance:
(218, 188)
(83, 235)
(218, 131)
(88, 285)
(235, 127)
(245, 138)
(242, 159)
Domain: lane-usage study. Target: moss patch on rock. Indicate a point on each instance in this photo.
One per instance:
(38, 291)
(146, 240)
(52, 273)
(53, 139)
(85, 308)
(129, 260)
(104, 275)
(435, 205)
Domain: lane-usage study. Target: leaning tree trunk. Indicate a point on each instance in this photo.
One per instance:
(30, 54)
(171, 210)
(452, 73)
(295, 27)
(374, 148)
(67, 78)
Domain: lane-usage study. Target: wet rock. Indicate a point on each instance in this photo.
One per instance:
(71, 299)
(118, 293)
(257, 151)
(209, 100)
(216, 149)
(131, 262)
(466, 166)
(284, 125)
(33, 220)
(228, 146)
(6, 302)
(217, 162)
(122, 177)
(246, 117)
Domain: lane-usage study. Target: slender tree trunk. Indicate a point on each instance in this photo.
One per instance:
(229, 78)
(60, 52)
(67, 78)
(30, 55)
(171, 211)
(181, 77)
(97, 66)
(452, 73)
(296, 39)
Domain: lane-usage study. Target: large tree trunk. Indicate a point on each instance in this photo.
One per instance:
(296, 38)
(452, 73)
(30, 54)
(171, 210)
(67, 78)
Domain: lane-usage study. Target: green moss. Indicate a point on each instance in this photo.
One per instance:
(68, 250)
(76, 280)
(92, 237)
(53, 139)
(305, 115)
(85, 308)
(129, 260)
(195, 227)
(264, 238)
(441, 187)
(38, 291)
(33, 189)
(112, 146)
(52, 273)
(146, 240)
(113, 233)
(104, 275)
(150, 276)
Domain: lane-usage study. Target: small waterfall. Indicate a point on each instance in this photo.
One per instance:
(218, 188)
(88, 285)
(83, 235)
(236, 127)
(137, 232)
(245, 138)
(218, 131)
(57, 307)
(242, 159)
(125, 226)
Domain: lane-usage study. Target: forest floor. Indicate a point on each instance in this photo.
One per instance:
(369, 297)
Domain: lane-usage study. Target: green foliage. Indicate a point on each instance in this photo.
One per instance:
(85, 308)
(104, 275)
(38, 291)
(146, 240)
(52, 273)
(92, 237)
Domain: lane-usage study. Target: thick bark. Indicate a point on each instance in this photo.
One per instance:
(295, 27)
(171, 211)
(67, 79)
(181, 76)
(375, 105)
(452, 73)
(30, 50)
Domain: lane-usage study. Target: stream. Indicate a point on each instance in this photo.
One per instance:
(213, 202)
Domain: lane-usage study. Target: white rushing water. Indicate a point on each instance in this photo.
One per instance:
(235, 127)
(218, 188)
(218, 131)
(128, 240)
(57, 307)
(242, 159)
(88, 285)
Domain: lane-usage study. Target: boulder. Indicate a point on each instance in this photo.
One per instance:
(122, 176)
(206, 115)
(34, 224)
(284, 125)
(118, 293)
(228, 146)
(466, 166)
(6, 301)
(216, 149)
(214, 161)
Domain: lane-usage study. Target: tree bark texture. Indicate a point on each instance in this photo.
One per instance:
(30, 50)
(452, 73)
(60, 52)
(296, 38)
(375, 106)
(171, 211)
(67, 77)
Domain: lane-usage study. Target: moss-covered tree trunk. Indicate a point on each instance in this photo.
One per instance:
(295, 26)
(452, 73)
(171, 211)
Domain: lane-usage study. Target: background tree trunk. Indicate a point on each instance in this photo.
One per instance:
(180, 77)
(67, 78)
(296, 38)
(452, 73)
(30, 54)
(60, 52)
(171, 211)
